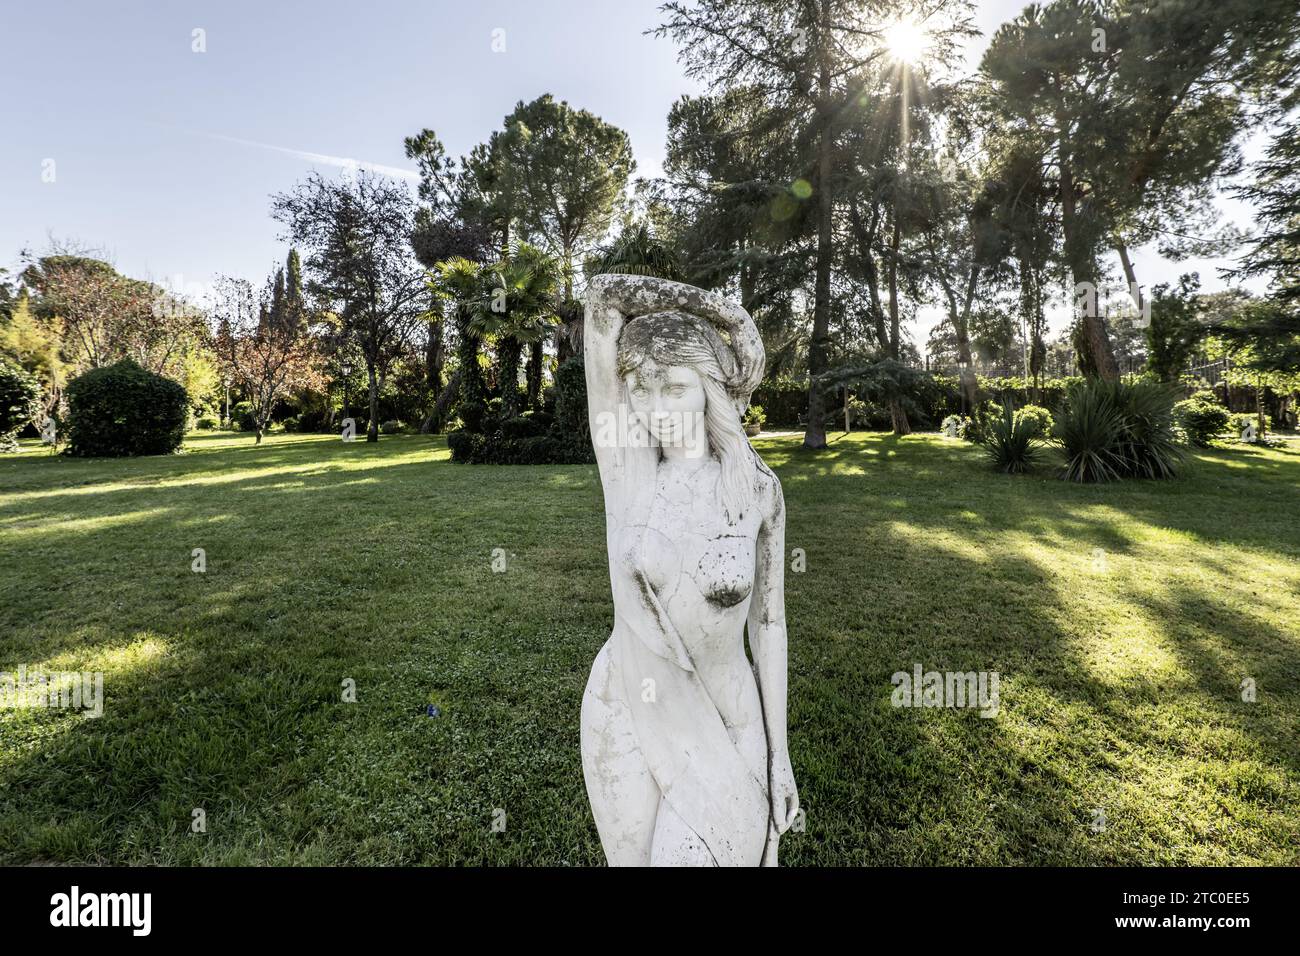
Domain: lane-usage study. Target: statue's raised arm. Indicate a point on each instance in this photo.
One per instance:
(612, 300)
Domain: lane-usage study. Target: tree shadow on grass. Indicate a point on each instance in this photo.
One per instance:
(242, 714)
(384, 576)
(898, 587)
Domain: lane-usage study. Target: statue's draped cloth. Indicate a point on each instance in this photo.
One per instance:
(699, 769)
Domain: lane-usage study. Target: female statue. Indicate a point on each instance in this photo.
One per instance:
(683, 735)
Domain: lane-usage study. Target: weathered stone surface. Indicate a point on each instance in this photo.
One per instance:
(684, 727)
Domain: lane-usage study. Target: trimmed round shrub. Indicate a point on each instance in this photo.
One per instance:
(466, 446)
(1039, 419)
(122, 410)
(1201, 419)
(206, 423)
(241, 417)
(392, 427)
(523, 426)
(20, 400)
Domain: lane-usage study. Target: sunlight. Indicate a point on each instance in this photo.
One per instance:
(906, 41)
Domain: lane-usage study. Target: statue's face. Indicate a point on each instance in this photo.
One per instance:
(671, 400)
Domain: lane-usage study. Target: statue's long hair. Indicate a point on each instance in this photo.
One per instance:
(679, 338)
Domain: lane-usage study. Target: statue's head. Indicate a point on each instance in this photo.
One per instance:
(678, 371)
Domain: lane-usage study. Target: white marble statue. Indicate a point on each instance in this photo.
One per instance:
(683, 734)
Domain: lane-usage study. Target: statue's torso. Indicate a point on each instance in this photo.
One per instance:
(702, 571)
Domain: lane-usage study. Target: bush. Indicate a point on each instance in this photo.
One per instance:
(571, 402)
(1149, 447)
(1039, 419)
(473, 415)
(311, 421)
(862, 414)
(1240, 421)
(466, 446)
(978, 425)
(241, 417)
(1201, 419)
(944, 397)
(1112, 430)
(391, 427)
(1010, 441)
(20, 400)
(961, 425)
(1266, 440)
(475, 449)
(526, 425)
(784, 400)
(206, 423)
(547, 437)
(1088, 428)
(533, 438)
(123, 410)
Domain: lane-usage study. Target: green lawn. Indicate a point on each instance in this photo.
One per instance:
(1119, 669)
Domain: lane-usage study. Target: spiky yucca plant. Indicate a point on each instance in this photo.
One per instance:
(1111, 430)
(1010, 442)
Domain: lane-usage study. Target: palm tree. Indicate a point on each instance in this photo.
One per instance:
(516, 307)
(459, 282)
(637, 251)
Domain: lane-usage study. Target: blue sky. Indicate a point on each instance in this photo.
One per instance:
(154, 146)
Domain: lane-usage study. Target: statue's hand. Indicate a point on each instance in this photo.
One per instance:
(785, 795)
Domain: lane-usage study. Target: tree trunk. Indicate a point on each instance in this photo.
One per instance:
(434, 358)
(969, 384)
(372, 427)
(1032, 310)
(897, 414)
(1129, 275)
(534, 374)
(1259, 405)
(1083, 273)
(508, 373)
(471, 377)
(568, 340)
(815, 432)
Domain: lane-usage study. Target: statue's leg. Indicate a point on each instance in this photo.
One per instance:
(624, 796)
(675, 843)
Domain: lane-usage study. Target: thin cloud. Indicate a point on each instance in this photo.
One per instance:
(320, 159)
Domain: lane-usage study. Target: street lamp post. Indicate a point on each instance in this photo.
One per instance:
(225, 422)
(347, 370)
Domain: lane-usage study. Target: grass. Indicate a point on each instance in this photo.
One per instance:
(1121, 620)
